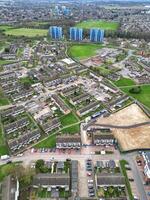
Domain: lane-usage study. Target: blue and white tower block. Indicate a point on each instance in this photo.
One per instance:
(56, 32)
(96, 35)
(76, 34)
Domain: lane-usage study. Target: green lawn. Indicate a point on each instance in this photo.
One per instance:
(26, 81)
(122, 164)
(27, 32)
(124, 82)
(49, 142)
(103, 70)
(83, 51)
(6, 169)
(3, 147)
(3, 100)
(105, 25)
(143, 96)
(68, 119)
(5, 62)
(71, 130)
(5, 27)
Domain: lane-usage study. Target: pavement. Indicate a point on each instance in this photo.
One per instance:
(130, 157)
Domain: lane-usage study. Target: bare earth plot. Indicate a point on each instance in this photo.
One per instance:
(128, 116)
(131, 138)
(134, 138)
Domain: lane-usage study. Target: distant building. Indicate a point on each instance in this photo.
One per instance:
(96, 35)
(55, 32)
(76, 34)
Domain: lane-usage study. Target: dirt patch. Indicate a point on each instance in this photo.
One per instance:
(132, 138)
(130, 115)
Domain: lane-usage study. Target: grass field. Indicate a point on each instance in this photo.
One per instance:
(103, 70)
(5, 62)
(71, 130)
(124, 82)
(7, 169)
(68, 119)
(83, 51)
(105, 25)
(5, 27)
(3, 146)
(26, 81)
(27, 32)
(143, 96)
(49, 142)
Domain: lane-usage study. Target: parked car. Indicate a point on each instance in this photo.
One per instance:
(90, 181)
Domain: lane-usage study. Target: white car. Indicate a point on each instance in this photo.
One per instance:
(90, 181)
(20, 155)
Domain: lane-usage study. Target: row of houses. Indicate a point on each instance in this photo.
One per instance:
(98, 138)
(24, 140)
(52, 181)
(12, 88)
(108, 180)
(119, 101)
(50, 126)
(59, 102)
(22, 95)
(7, 75)
(89, 108)
(8, 82)
(79, 99)
(59, 81)
(12, 127)
(67, 141)
(14, 111)
(70, 90)
(67, 181)
(101, 137)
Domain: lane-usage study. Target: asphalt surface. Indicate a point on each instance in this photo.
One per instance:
(130, 157)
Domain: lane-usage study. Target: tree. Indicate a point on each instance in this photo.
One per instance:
(39, 164)
(135, 90)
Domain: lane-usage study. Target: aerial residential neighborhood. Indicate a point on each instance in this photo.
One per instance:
(74, 100)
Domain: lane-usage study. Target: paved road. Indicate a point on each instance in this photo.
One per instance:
(86, 152)
(118, 127)
(130, 157)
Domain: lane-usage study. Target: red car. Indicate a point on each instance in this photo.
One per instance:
(89, 174)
